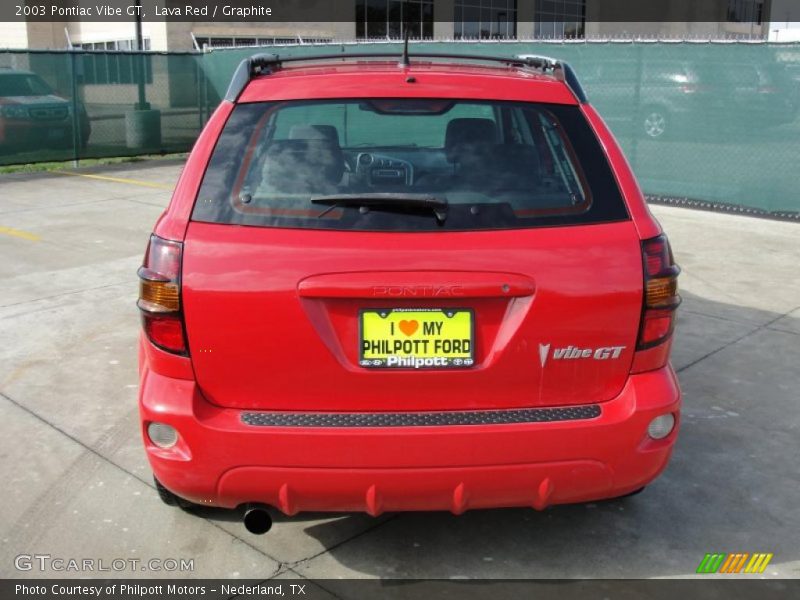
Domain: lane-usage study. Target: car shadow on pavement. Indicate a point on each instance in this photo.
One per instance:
(730, 487)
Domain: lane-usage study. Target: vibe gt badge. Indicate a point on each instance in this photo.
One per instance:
(573, 352)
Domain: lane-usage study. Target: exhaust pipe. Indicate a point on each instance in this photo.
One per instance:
(257, 519)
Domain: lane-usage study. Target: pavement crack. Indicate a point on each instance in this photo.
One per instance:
(781, 330)
(715, 317)
(737, 340)
(127, 197)
(119, 467)
(62, 294)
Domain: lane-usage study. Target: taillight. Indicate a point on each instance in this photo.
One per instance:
(658, 308)
(160, 295)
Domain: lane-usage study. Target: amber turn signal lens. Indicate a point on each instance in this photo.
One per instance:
(159, 296)
(661, 291)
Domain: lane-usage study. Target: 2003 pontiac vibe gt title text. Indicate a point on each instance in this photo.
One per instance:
(107, 11)
(432, 285)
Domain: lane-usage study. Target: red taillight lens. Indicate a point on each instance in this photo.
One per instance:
(160, 295)
(657, 256)
(165, 332)
(657, 325)
(660, 293)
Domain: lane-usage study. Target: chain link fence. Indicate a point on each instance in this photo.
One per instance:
(716, 123)
(57, 106)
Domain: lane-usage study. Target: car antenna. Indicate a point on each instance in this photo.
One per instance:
(404, 62)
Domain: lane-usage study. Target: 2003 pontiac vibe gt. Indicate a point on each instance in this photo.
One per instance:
(417, 286)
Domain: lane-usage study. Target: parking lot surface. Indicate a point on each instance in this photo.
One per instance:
(77, 485)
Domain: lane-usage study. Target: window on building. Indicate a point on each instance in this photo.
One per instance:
(235, 41)
(129, 44)
(382, 19)
(745, 11)
(485, 19)
(106, 63)
(560, 19)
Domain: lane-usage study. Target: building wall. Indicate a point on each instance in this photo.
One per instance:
(179, 36)
(784, 31)
(443, 19)
(675, 30)
(14, 35)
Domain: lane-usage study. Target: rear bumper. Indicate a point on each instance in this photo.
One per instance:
(221, 461)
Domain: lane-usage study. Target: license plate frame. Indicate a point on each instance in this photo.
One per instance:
(434, 356)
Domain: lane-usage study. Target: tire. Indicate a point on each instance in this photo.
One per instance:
(171, 499)
(655, 122)
(630, 494)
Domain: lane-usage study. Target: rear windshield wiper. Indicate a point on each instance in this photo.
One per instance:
(391, 201)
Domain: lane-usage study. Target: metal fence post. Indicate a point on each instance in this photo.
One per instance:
(202, 92)
(637, 102)
(76, 133)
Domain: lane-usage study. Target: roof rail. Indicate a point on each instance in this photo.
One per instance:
(264, 64)
(561, 70)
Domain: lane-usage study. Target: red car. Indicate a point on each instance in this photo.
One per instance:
(390, 287)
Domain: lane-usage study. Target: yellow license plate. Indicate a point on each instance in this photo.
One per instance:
(418, 338)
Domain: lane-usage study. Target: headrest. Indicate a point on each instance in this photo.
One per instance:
(314, 132)
(498, 167)
(468, 131)
(303, 165)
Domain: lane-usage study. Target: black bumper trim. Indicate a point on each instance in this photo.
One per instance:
(420, 419)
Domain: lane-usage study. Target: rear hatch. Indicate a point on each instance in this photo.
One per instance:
(259, 341)
(282, 291)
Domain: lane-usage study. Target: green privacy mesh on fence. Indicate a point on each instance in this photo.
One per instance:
(715, 122)
(58, 106)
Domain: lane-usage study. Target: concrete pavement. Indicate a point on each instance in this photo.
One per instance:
(77, 483)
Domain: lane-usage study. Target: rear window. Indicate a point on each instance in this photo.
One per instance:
(407, 165)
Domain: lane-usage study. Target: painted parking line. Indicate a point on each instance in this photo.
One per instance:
(25, 235)
(150, 184)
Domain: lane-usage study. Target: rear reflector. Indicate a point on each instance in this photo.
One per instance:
(661, 427)
(162, 435)
(160, 295)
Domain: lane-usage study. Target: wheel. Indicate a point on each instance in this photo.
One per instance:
(171, 499)
(655, 122)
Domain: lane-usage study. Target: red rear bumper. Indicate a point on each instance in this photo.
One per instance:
(221, 461)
